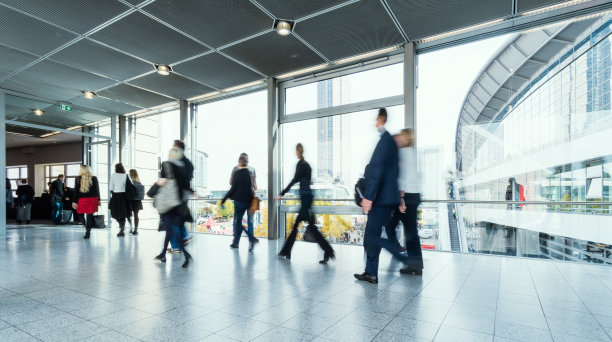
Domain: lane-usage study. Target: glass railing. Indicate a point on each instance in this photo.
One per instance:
(212, 218)
(580, 232)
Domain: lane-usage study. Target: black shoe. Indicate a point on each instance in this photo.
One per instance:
(326, 258)
(415, 271)
(28, 222)
(233, 245)
(135, 232)
(18, 222)
(161, 258)
(121, 234)
(252, 244)
(286, 255)
(367, 277)
(186, 263)
(86, 237)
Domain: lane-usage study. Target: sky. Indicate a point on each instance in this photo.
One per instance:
(229, 127)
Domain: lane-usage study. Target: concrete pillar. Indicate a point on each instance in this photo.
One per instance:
(123, 142)
(273, 159)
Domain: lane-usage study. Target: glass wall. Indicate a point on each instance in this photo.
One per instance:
(500, 127)
(339, 146)
(224, 130)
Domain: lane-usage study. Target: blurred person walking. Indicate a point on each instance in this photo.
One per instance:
(25, 200)
(251, 228)
(170, 200)
(120, 203)
(57, 199)
(187, 172)
(86, 198)
(380, 197)
(138, 197)
(10, 202)
(410, 198)
(303, 174)
(242, 194)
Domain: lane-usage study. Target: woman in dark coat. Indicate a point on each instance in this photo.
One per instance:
(120, 205)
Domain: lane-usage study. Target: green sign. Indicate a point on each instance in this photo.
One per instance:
(65, 107)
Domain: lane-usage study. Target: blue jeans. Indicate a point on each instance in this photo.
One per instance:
(239, 209)
(174, 229)
(56, 212)
(377, 217)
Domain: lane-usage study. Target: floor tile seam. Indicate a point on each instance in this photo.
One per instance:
(540, 301)
(473, 262)
(27, 333)
(587, 307)
(497, 297)
(119, 332)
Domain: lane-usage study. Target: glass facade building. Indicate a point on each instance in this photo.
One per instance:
(548, 145)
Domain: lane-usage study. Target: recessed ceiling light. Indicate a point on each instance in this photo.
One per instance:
(283, 27)
(163, 69)
(37, 111)
(89, 94)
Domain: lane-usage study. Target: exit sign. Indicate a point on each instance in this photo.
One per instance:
(65, 107)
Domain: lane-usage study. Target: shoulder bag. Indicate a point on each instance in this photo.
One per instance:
(167, 197)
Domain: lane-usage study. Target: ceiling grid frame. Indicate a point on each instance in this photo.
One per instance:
(131, 8)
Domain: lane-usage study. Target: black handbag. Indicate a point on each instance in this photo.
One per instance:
(359, 191)
(153, 190)
(99, 221)
(309, 234)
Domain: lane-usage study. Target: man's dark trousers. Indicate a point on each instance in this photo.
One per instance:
(377, 217)
(411, 234)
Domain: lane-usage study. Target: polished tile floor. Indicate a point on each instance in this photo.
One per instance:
(54, 286)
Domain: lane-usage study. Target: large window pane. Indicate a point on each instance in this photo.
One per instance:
(362, 86)
(337, 148)
(225, 129)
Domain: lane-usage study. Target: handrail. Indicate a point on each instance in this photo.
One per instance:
(443, 201)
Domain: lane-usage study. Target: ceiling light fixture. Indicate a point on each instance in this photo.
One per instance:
(246, 85)
(73, 128)
(554, 7)
(50, 134)
(163, 69)
(459, 31)
(366, 55)
(283, 27)
(38, 112)
(303, 71)
(89, 94)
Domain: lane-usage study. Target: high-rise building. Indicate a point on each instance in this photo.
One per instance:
(333, 133)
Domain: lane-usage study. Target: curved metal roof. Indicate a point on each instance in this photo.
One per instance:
(513, 67)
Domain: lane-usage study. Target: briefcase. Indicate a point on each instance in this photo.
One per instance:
(66, 216)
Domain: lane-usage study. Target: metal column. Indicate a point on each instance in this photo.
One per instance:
(184, 118)
(3, 212)
(123, 142)
(410, 85)
(273, 159)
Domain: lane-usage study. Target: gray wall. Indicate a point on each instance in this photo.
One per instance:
(36, 155)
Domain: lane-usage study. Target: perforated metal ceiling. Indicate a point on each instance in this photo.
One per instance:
(57, 49)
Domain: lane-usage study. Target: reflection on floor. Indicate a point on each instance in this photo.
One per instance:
(54, 286)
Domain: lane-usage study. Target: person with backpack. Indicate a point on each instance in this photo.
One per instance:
(122, 190)
(86, 198)
(137, 200)
(303, 173)
(242, 194)
(25, 200)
